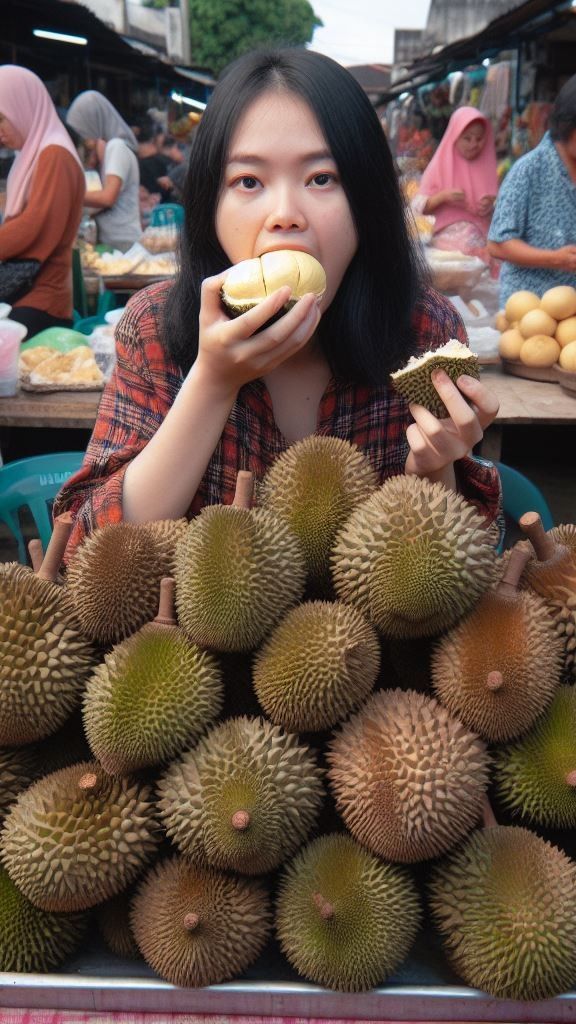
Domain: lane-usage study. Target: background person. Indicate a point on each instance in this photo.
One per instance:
(44, 197)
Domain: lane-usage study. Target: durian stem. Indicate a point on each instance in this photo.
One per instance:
(36, 553)
(55, 551)
(541, 541)
(88, 781)
(240, 820)
(509, 583)
(488, 816)
(571, 778)
(244, 489)
(494, 680)
(191, 921)
(166, 615)
(325, 908)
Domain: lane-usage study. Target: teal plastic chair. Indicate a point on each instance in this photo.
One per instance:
(32, 483)
(88, 323)
(520, 495)
(167, 213)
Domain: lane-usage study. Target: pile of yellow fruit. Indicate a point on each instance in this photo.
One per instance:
(540, 332)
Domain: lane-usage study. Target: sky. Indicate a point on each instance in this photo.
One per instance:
(362, 31)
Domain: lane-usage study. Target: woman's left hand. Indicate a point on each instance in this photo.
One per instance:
(486, 205)
(437, 443)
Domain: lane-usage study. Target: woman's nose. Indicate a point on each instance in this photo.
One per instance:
(285, 213)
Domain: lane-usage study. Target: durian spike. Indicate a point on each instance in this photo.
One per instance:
(244, 489)
(36, 552)
(56, 547)
(240, 820)
(191, 921)
(509, 583)
(544, 546)
(488, 816)
(325, 909)
(166, 615)
(570, 778)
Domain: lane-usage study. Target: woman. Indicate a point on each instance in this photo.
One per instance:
(44, 196)
(197, 396)
(534, 225)
(460, 183)
(114, 145)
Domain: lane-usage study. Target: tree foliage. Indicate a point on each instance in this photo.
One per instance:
(221, 30)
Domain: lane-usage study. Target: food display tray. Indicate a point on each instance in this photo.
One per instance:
(423, 990)
(544, 374)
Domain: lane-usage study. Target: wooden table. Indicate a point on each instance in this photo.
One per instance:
(523, 401)
(50, 409)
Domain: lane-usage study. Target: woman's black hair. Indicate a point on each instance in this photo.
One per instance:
(563, 113)
(366, 331)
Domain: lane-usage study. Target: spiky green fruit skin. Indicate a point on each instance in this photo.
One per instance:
(237, 572)
(33, 939)
(243, 765)
(154, 695)
(531, 775)
(319, 664)
(314, 486)
(67, 848)
(44, 661)
(375, 915)
(234, 922)
(414, 381)
(409, 779)
(505, 905)
(558, 591)
(17, 771)
(514, 636)
(114, 577)
(413, 557)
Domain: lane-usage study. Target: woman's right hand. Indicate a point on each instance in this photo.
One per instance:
(232, 352)
(565, 258)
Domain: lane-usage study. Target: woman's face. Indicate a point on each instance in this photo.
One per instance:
(281, 190)
(9, 135)
(471, 142)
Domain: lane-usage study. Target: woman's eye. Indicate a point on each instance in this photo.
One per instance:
(323, 178)
(247, 181)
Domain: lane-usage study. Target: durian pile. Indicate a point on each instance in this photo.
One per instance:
(539, 332)
(290, 720)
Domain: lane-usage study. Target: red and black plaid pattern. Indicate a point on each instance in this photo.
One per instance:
(146, 382)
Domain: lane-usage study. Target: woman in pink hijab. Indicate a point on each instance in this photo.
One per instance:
(44, 197)
(459, 185)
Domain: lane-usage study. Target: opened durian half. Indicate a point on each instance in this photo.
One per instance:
(249, 282)
(414, 381)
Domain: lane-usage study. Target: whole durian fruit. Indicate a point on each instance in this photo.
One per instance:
(44, 660)
(414, 380)
(33, 939)
(18, 767)
(498, 669)
(244, 799)
(238, 570)
(317, 666)
(114, 576)
(505, 905)
(314, 486)
(536, 776)
(251, 281)
(345, 919)
(414, 557)
(153, 696)
(78, 837)
(114, 925)
(409, 780)
(196, 926)
(551, 573)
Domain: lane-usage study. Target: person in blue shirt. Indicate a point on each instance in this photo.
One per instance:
(534, 225)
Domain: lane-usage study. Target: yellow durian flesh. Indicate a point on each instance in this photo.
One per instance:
(249, 282)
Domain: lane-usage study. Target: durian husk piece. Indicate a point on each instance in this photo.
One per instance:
(44, 660)
(251, 281)
(536, 776)
(114, 925)
(409, 780)
(195, 926)
(414, 381)
(153, 696)
(244, 799)
(314, 486)
(317, 666)
(78, 837)
(505, 905)
(345, 919)
(551, 573)
(238, 570)
(413, 557)
(499, 668)
(33, 939)
(114, 576)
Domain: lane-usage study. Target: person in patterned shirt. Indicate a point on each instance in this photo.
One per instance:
(289, 155)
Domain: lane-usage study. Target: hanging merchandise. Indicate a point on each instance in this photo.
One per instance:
(496, 96)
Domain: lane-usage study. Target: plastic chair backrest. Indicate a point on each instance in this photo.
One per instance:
(167, 213)
(520, 495)
(87, 325)
(32, 483)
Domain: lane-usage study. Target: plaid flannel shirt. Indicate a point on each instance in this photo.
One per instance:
(145, 383)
